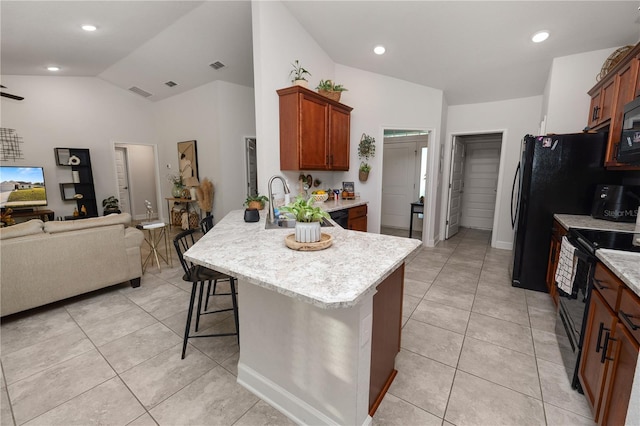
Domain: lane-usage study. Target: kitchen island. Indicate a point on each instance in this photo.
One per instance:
(319, 330)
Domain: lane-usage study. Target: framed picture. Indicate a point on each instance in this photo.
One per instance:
(188, 163)
(347, 186)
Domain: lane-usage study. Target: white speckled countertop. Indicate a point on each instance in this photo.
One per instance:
(625, 264)
(333, 205)
(587, 222)
(337, 277)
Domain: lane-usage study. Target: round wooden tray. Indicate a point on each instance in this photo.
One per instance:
(325, 241)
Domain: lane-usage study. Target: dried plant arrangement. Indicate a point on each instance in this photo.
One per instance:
(205, 195)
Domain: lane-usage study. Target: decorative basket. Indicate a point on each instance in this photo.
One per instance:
(176, 217)
(321, 198)
(334, 96)
(194, 220)
(613, 60)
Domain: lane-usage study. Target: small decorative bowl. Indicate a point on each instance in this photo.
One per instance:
(320, 197)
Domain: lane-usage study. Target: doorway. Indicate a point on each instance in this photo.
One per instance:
(473, 182)
(252, 166)
(137, 178)
(404, 173)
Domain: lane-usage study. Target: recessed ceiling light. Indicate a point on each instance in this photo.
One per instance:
(89, 27)
(540, 36)
(53, 68)
(379, 50)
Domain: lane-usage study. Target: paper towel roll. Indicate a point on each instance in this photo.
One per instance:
(76, 176)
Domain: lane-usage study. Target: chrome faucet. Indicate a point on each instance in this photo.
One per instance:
(271, 216)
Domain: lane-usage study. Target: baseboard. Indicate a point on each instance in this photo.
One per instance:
(504, 245)
(284, 401)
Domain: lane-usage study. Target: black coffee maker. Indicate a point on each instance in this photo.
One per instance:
(618, 203)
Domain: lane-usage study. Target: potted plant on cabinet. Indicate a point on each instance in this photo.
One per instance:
(298, 74)
(256, 201)
(110, 205)
(330, 90)
(366, 150)
(308, 219)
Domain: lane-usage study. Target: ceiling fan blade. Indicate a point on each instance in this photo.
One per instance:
(9, 95)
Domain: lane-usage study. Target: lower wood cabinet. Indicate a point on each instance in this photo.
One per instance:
(610, 348)
(557, 232)
(385, 336)
(358, 218)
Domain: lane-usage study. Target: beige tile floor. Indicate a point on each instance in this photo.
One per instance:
(475, 351)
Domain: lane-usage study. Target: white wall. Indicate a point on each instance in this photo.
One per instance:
(381, 102)
(278, 40)
(75, 112)
(378, 101)
(142, 178)
(566, 102)
(515, 118)
(217, 116)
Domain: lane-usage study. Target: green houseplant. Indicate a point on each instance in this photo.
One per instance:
(298, 73)
(366, 150)
(330, 90)
(308, 219)
(110, 205)
(256, 201)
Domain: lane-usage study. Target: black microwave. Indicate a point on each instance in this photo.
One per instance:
(629, 146)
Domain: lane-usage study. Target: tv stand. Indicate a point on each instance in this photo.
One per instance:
(43, 215)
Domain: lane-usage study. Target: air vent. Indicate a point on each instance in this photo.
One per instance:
(217, 65)
(171, 83)
(139, 91)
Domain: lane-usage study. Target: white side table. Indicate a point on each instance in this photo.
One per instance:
(156, 233)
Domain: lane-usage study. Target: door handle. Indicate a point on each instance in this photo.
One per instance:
(601, 328)
(626, 319)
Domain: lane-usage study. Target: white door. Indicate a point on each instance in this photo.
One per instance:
(398, 183)
(456, 182)
(122, 173)
(480, 184)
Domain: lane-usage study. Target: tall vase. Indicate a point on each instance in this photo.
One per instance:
(176, 191)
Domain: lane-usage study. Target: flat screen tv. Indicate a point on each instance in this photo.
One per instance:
(22, 187)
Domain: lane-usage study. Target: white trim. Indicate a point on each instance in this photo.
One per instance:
(447, 163)
(428, 223)
(284, 401)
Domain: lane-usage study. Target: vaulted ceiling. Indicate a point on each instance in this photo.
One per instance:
(475, 51)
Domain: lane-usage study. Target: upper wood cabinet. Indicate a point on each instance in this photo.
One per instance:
(608, 98)
(314, 131)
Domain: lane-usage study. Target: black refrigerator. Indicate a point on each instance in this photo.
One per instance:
(556, 174)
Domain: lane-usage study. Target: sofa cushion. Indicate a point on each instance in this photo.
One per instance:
(93, 222)
(31, 227)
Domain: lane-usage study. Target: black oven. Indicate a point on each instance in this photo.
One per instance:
(573, 308)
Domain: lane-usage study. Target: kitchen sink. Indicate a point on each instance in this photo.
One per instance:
(291, 223)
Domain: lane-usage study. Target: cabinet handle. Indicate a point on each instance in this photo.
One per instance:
(604, 356)
(596, 110)
(626, 319)
(601, 328)
(599, 285)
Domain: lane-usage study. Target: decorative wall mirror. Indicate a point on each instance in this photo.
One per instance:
(188, 163)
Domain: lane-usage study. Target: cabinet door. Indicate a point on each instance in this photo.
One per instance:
(358, 224)
(339, 139)
(594, 109)
(314, 123)
(606, 100)
(600, 321)
(622, 357)
(624, 93)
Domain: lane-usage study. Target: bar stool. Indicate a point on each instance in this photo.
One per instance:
(206, 224)
(198, 275)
